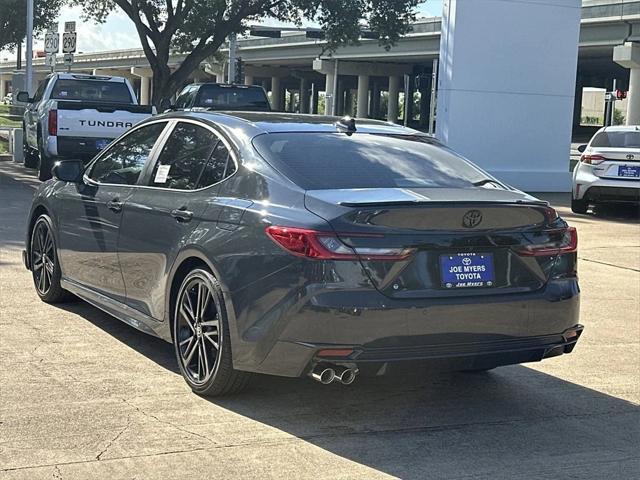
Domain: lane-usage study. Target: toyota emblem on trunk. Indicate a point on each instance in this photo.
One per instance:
(472, 218)
(630, 156)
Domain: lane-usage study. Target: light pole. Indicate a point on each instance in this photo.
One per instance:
(29, 69)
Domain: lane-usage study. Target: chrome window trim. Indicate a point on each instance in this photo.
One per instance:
(155, 151)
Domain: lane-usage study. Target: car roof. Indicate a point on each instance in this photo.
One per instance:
(256, 123)
(622, 128)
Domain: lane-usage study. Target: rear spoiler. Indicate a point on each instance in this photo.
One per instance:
(105, 107)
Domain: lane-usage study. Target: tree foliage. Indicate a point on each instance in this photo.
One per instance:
(13, 19)
(200, 27)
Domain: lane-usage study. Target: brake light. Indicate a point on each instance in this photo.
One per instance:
(560, 242)
(318, 245)
(592, 159)
(53, 122)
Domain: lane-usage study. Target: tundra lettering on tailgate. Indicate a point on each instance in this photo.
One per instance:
(106, 123)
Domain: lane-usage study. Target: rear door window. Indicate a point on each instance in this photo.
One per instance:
(223, 97)
(318, 161)
(123, 161)
(183, 158)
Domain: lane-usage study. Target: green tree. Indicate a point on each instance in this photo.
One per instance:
(13, 19)
(618, 117)
(200, 27)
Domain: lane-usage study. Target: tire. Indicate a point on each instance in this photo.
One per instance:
(199, 324)
(579, 206)
(45, 165)
(43, 246)
(30, 158)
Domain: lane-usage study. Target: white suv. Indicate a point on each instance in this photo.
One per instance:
(609, 168)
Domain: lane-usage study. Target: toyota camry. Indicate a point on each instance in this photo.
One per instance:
(301, 245)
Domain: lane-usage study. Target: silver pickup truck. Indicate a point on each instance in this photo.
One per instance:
(76, 116)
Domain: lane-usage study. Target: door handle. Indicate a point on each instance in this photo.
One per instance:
(114, 205)
(182, 214)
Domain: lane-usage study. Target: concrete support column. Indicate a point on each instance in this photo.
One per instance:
(248, 79)
(145, 90)
(145, 75)
(340, 105)
(374, 109)
(628, 55)
(3, 87)
(328, 94)
(276, 94)
(394, 92)
(363, 96)
(292, 100)
(304, 95)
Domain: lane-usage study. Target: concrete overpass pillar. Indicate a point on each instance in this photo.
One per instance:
(276, 94)
(394, 93)
(145, 75)
(524, 93)
(628, 55)
(328, 94)
(363, 96)
(248, 79)
(3, 87)
(304, 95)
(220, 78)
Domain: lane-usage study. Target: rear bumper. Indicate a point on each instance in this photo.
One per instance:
(448, 334)
(590, 187)
(77, 147)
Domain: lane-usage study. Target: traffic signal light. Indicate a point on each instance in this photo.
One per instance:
(621, 94)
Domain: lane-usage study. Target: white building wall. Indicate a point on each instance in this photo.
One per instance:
(507, 86)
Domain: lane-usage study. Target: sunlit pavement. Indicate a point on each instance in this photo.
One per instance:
(85, 396)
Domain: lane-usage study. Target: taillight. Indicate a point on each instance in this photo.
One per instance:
(53, 122)
(557, 242)
(327, 246)
(592, 159)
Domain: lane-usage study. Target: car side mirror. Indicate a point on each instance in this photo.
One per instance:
(582, 148)
(68, 170)
(24, 97)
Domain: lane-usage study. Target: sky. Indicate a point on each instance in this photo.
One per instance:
(118, 31)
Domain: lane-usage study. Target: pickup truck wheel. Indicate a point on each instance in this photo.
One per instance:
(30, 157)
(44, 169)
(579, 206)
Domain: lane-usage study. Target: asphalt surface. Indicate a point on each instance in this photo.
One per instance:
(85, 396)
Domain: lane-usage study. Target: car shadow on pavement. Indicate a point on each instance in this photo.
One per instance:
(513, 422)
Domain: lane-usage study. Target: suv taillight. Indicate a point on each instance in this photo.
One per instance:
(53, 123)
(558, 242)
(592, 159)
(318, 245)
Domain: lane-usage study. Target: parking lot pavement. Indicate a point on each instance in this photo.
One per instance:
(85, 396)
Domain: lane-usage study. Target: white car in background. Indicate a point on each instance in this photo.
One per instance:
(609, 169)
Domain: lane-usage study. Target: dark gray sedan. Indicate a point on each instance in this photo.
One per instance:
(304, 245)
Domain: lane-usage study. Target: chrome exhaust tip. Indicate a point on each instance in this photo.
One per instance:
(324, 375)
(348, 376)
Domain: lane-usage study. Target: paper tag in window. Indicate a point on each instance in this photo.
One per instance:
(162, 174)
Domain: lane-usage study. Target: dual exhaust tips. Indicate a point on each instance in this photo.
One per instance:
(326, 374)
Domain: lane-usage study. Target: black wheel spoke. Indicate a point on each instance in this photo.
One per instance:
(199, 326)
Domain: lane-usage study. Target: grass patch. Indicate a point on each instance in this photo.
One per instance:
(4, 108)
(5, 122)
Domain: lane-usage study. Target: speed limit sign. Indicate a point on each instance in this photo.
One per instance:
(69, 42)
(51, 42)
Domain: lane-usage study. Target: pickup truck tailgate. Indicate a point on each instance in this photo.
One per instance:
(98, 120)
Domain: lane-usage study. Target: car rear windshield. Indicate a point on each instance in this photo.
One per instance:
(319, 161)
(617, 139)
(220, 97)
(91, 90)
